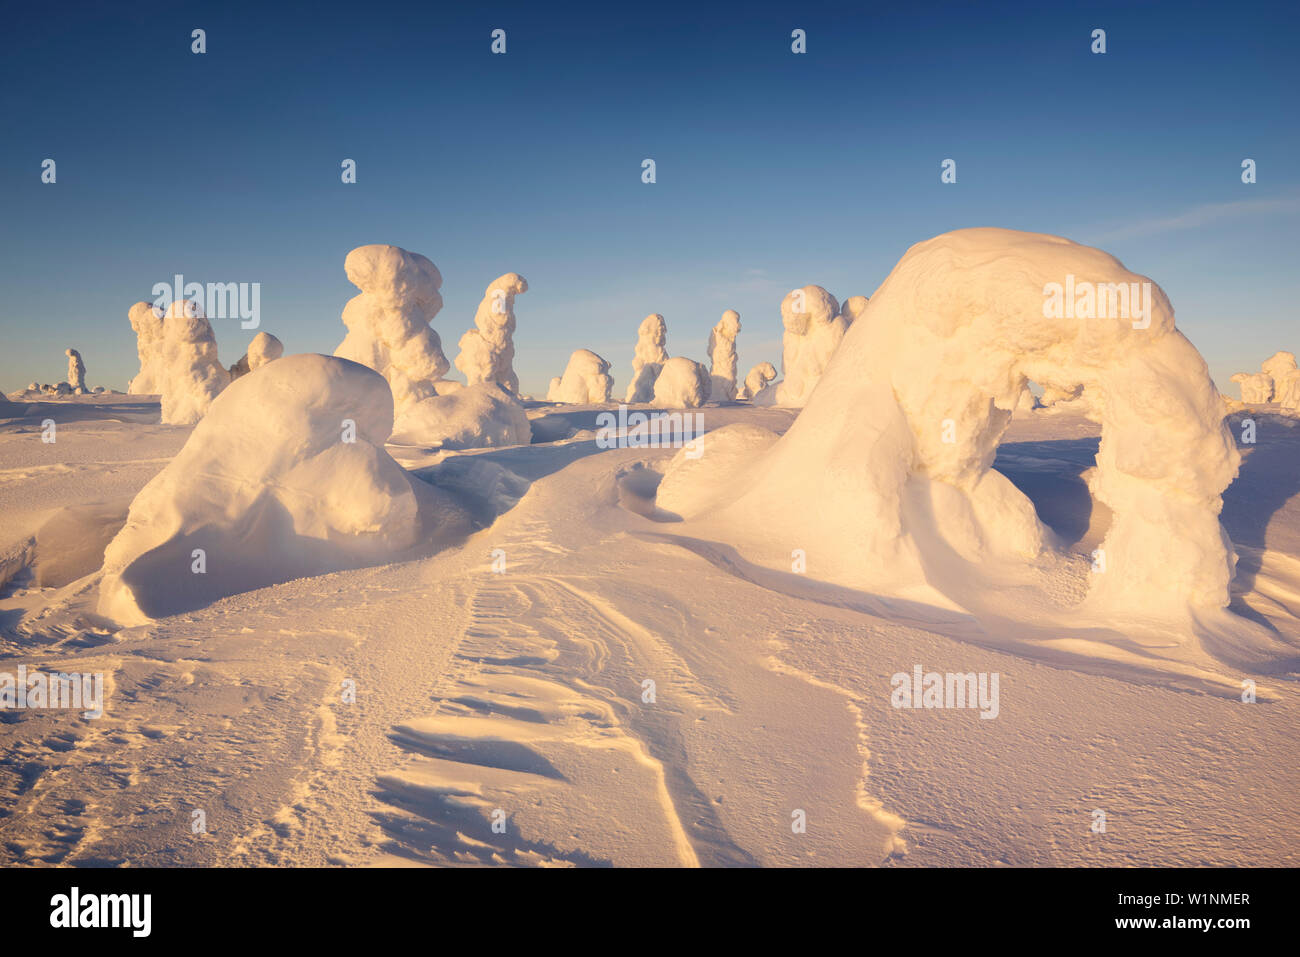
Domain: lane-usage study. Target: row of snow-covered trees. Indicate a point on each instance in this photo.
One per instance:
(814, 325)
(389, 329)
(74, 384)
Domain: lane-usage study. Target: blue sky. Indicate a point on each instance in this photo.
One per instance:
(774, 170)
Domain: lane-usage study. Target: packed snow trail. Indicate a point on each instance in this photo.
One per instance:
(547, 701)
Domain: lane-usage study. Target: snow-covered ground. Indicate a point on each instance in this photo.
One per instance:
(502, 713)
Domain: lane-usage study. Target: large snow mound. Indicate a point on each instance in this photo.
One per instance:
(700, 476)
(475, 417)
(286, 476)
(388, 323)
(885, 479)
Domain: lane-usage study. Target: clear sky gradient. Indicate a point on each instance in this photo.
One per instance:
(775, 170)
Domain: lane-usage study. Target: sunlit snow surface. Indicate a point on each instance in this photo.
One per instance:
(507, 671)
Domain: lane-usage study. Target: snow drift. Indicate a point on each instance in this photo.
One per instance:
(885, 479)
(286, 476)
(487, 352)
(475, 417)
(648, 359)
(687, 489)
(388, 323)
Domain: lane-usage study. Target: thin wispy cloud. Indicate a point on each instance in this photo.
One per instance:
(1204, 215)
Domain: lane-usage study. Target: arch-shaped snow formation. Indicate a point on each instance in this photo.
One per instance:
(887, 473)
